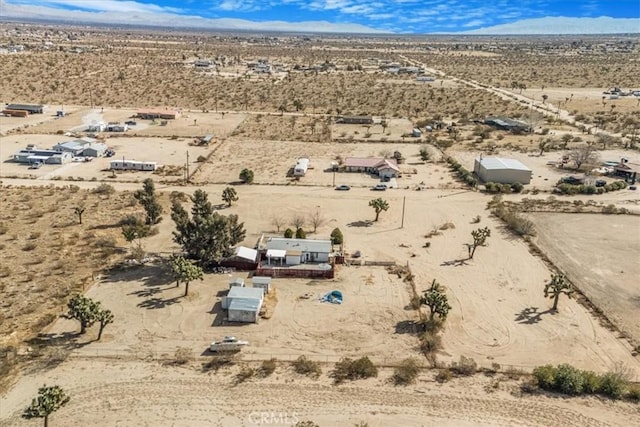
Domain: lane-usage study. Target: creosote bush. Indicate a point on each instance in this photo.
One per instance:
(348, 369)
(267, 367)
(406, 372)
(465, 366)
(307, 367)
(567, 379)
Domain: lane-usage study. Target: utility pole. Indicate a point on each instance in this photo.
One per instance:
(334, 178)
(404, 199)
(187, 169)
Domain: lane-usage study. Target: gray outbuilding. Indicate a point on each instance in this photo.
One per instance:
(261, 282)
(500, 170)
(95, 150)
(243, 304)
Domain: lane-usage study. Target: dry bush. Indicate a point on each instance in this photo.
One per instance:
(307, 367)
(183, 356)
(219, 361)
(465, 366)
(267, 367)
(443, 376)
(348, 369)
(406, 372)
(244, 374)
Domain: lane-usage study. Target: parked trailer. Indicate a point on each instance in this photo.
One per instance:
(15, 113)
(133, 165)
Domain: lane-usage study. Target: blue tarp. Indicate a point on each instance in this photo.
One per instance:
(334, 297)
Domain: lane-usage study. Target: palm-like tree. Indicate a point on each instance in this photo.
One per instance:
(378, 206)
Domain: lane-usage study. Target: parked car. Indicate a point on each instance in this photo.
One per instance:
(109, 153)
(35, 165)
(600, 182)
(379, 187)
(130, 123)
(343, 187)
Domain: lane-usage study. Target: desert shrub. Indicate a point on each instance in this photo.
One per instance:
(3, 228)
(304, 366)
(288, 233)
(492, 188)
(130, 219)
(406, 372)
(430, 342)
(183, 355)
(104, 189)
(568, 380)
(218, 362)
(590, 189)
(348, 369)
(613, 384)
(517, 187)
(201, 159)
(545, 376)
(609, 209)
(267, 367)
(415, 302)
(464, 366)
(633, 392)
(177, 196)
(301, 234)
(245, 373)
(476, 219)
(515, 222)
(592, 382)
(246, 176)
(432, 325)
(443, 376)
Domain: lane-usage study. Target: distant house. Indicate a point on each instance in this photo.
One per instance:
(77, 146)
(96, 127)
(355, 120)
(500, 170)
(97, 149)
(116, 127)
(508, 124)
(202, 63)
(629, 171)
(425, 79)
(151, 114)
(298, 251)
(385, 168)
(30, 108)
(301, 167)
(133, 165)
(34, 155)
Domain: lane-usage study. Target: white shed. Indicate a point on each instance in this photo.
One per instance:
(236, 281)
(262, 282)
(243, 304)
(500, 170)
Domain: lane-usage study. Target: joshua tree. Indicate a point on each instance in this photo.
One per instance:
(229, 195)
(556, 287)
(543, 146)
(84, 310)
(378, 206)
(436, 300)
(479, 238)
(185, 271)
(544, 98)
(48, 401)
(148, 199)
(104, 318)
(79, 210)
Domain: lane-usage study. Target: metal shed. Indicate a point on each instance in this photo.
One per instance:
(236, 282)
(504, 171)
(262, 282)
(243, 304)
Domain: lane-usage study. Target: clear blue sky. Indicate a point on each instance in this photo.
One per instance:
(404, 16)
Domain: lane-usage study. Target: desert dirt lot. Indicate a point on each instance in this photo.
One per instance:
(134, 393)
(610, 247)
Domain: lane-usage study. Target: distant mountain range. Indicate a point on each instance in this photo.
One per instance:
(563, 25)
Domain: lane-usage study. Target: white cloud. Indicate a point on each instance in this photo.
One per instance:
(165, 19)
(103, 5)
(240, 5)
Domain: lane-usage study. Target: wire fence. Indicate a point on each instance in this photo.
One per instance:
(169, 355)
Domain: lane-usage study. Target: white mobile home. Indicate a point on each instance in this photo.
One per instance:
(301, 250)
(133, 165)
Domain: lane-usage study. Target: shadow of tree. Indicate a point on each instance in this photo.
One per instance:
(157, 303)
(149, 274)
(362, 223)
(455, 262)
(412, 327)
(531, 315)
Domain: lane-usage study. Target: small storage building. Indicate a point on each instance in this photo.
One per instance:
(262, 282)
(500, 170)
(236, 281)
(95, 150)
(243, 304)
